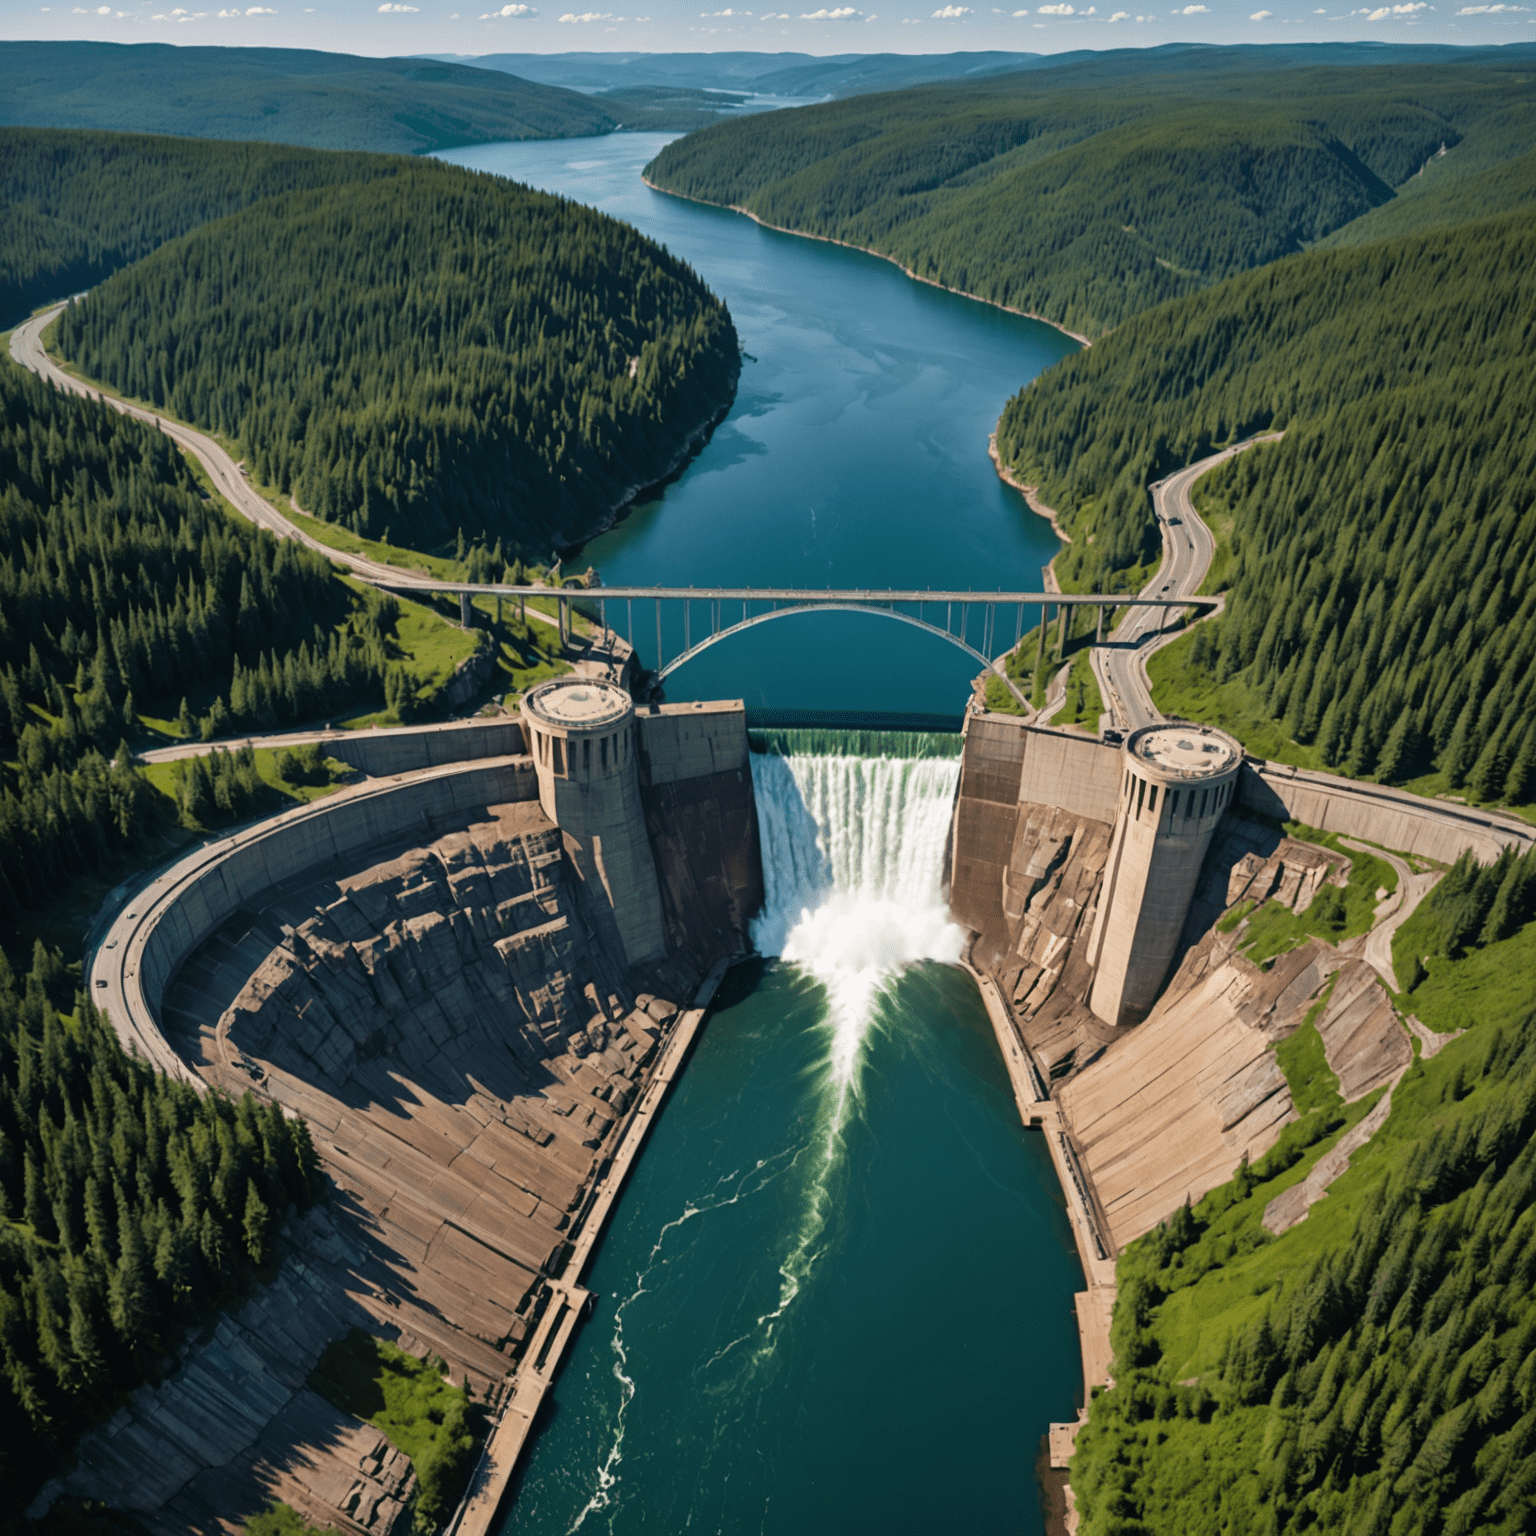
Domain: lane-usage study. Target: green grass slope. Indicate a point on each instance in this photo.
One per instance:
(1372, 1371)
(1087, 193)
(283, 96)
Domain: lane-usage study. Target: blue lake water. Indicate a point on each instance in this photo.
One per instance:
(835, 1295)
(855, 454)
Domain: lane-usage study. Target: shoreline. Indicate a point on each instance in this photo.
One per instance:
(1093, 1307)
(869, 250)
(1031, 495)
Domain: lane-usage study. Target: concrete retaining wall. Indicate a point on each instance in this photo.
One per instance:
(379, 753)
(161, 925)
(692, 741)
(1406, 823)
(1073, 773)
(696, 786)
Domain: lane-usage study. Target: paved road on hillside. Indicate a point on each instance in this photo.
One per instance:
(27, 349)
(1188, 549)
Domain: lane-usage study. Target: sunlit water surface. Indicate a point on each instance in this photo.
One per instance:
(836, 1293)
(855, 454)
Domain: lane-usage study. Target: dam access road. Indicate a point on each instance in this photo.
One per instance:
(1188, 549)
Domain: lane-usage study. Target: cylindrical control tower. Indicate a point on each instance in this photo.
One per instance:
(581, 736)
(1177, 782)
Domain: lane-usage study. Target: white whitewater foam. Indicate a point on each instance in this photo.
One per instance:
(853, 854)
(853, 862)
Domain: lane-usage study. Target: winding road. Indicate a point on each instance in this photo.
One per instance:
(1188, 549)
(28, 350)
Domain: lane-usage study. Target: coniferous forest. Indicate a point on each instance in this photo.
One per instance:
(430, 353)
(1381, 585)
(80, 205)
(122, 589)
(131, 1207)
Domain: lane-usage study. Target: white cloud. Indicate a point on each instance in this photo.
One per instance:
(842, 13)
(1261, 16)
(1489, 10)
(391, 8)
(1057, 10)
(951, 13)
(510, 10)
(1192, 10)
(1383, 12)
(726, 12)
(590, 16)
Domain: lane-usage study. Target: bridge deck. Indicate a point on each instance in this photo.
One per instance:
(874, 597)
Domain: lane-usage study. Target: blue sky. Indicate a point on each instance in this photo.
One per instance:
(811, 26)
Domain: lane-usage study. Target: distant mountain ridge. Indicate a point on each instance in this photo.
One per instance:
(283, 96)
(805, 76)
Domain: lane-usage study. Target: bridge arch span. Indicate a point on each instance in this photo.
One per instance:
(752, 620)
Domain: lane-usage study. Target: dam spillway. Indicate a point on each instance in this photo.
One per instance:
(838, 1286)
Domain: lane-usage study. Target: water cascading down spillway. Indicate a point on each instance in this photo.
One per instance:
(844, 1131)
(853, 854)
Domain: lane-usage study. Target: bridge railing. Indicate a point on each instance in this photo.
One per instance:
(729, 610)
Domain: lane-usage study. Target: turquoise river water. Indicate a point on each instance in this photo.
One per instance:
(835, 1295)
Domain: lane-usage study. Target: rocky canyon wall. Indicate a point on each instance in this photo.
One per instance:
(437, 993)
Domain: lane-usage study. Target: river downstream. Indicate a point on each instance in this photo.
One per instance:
(836, 1292)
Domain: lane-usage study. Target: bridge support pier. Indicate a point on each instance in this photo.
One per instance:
(466, 612)
(1098, 633)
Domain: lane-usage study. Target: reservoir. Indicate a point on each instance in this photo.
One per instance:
(836, 1294)
(855, 454)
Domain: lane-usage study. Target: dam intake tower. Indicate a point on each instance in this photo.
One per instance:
(581, 735)
(1176, 782)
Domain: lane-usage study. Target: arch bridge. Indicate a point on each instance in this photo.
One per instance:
(731, 610)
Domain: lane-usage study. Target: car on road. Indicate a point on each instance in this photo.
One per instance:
(1175, 522)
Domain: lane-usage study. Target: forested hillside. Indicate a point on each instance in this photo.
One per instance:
(131, 1208)
(283, 96)
(1383, 580)
(123, 590)
(430, 352)
(1373, 1370)
(80, 205)
(1088, 192)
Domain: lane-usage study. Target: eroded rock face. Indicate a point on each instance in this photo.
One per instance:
(454, 1028)
(1165, 1110)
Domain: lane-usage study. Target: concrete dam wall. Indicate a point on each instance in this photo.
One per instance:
(435, 973)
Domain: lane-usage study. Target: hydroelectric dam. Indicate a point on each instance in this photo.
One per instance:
(871, 1199)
